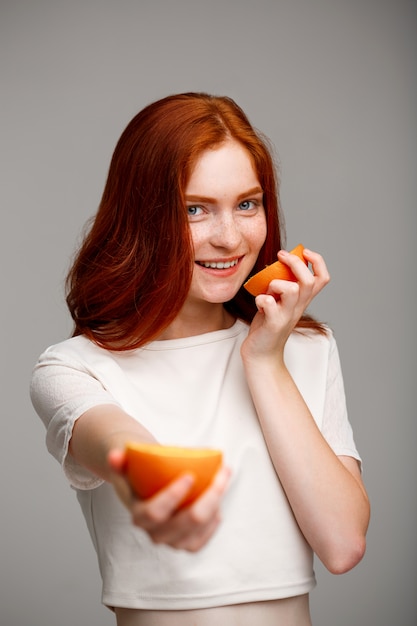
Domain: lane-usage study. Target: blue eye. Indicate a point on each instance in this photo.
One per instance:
(193, 210)
(246, 205)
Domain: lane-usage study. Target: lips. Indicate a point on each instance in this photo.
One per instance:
(218, 265)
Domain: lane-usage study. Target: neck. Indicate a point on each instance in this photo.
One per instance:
(189, 323)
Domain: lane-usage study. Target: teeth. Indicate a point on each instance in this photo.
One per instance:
(219, 266)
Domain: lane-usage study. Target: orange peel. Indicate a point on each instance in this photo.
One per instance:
(259, 283)
(151, 467)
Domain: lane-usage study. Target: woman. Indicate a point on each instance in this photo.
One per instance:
(168, 347)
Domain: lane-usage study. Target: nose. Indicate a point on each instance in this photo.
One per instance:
(226, 233)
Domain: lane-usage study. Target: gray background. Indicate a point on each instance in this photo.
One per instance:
(333, 84)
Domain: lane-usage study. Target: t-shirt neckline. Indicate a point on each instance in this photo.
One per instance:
(196, 340)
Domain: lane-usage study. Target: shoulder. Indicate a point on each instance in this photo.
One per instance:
(73, 350)
(75, 361)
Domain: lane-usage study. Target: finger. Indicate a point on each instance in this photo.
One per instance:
(182, 535)
(263, 301)
(281, 293)
(300, 270)
(117, 460)
(320, 271)
(162, 506)
(192, 542)
(209, 502)
(192, 527)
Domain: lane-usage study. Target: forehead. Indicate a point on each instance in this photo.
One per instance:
(222, 165)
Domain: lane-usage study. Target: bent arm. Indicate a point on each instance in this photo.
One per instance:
(325, 492)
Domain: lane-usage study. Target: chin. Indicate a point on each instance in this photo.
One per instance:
(221, 299)
(213, 295)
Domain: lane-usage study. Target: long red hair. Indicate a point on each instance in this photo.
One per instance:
(133, 271)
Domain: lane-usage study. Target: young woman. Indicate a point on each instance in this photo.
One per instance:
(168, 347)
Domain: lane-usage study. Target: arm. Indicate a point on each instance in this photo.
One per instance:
(98, 441)
(325, 491)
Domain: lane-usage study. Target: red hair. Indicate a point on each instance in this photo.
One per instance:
(133, 271)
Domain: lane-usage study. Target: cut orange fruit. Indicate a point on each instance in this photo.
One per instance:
(151, 467)
(259, 283)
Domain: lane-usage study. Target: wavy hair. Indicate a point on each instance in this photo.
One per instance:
(133, 271)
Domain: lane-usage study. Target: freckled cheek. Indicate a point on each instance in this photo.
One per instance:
(258, 235)
(198, 236)
(263, 238)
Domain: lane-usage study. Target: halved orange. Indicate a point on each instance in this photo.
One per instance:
(259, 283)
(151, 467)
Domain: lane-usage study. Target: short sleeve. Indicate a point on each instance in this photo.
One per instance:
(336, 427)
(61, 390)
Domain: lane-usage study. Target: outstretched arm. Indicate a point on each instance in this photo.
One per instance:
(98, 441)
(325, 492)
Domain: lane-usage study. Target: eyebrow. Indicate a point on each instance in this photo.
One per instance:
(241, 196)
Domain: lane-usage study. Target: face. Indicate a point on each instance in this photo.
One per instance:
(227, 222)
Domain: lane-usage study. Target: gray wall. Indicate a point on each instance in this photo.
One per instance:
(333, 83)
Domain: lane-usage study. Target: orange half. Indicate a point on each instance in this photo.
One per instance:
(259, 283)
(151, 467)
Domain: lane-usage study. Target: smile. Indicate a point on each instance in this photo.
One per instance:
(218, 265)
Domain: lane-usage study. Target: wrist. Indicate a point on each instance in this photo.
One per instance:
(264, 364)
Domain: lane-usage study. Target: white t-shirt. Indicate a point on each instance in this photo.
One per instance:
(193, 392)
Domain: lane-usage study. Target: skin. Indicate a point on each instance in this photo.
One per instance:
(227, 223)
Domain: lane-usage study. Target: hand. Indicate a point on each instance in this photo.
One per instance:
(187, 529)
(281, 307)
